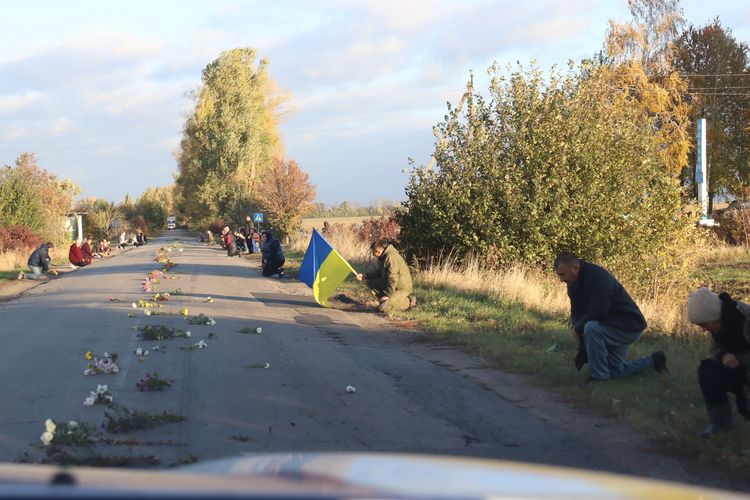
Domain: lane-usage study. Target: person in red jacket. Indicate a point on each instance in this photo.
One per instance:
(88, 252)
(75, 255)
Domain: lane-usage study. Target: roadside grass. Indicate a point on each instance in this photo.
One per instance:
(518, 321)
(667, 407)
(14, 261)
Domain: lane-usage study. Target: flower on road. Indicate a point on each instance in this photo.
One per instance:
(351, 389)
(47, 438)
(153, 382)
(198, 345)
(100, 396)
(105, 364)
(202, 319)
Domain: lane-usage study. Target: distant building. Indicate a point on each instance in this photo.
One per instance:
(73, 224)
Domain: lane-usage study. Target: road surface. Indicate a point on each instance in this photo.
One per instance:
(411, 396)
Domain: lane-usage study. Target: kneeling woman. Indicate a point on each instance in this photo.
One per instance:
(728, 368)
(273, 255)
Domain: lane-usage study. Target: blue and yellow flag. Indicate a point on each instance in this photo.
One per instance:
(323, 269)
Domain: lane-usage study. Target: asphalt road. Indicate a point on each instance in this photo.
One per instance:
(404, 401)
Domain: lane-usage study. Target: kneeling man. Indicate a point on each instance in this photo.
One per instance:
(391, 282)
(605, 319)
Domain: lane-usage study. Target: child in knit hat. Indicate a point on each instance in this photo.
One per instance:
(728, 369)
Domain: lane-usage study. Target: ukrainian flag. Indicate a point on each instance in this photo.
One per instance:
(323, 269)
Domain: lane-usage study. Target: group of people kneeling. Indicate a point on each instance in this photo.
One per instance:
(606, 321)
(78, 256)
(247, 240)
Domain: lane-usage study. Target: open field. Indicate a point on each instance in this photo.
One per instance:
(317, 223)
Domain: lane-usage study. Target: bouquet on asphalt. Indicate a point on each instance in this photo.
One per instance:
(198, 345)
(104, 365)
(153, 382)
(101, 396)
(66, 434)
(201, 319)
(161, 332)
(125, 420)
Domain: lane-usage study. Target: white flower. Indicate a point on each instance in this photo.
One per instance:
(268, 365)
(72, 424)
(187, 335)
(89, 401)
(101, 389)
(147, 312)
(350, 389)
(46, 438)
(87, 372)
(259, 330)
(145, 353)
(105, 355)
(211, 321)
(134, 305)
(50, 425)
(139, 352)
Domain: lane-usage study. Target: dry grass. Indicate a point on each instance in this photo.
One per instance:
(728, 254)
(16, 259)
(342, 238)
(536, 290)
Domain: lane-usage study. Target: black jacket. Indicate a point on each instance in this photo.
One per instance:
(40, 258)
(598, 296)
(271, 249)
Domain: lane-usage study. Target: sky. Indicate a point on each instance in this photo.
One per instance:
(98, 90)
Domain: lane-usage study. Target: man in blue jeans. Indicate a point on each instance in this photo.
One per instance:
(605, 320)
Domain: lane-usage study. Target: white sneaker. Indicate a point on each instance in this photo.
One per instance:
(72, 266)
(21, 275)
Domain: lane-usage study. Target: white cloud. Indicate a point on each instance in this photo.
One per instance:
(15, 102)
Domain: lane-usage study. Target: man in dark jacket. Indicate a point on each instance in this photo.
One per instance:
(605, 319)
(273, 256)
(391, 281)
(728, 368)
(38, 263)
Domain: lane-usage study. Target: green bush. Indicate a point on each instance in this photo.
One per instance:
(548, 163)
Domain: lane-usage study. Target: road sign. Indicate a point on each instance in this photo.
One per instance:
(258, 217)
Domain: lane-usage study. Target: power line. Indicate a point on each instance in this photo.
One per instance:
(697, 75)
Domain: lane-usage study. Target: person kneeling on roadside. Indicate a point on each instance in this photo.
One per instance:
(391, 281)
(75, 255)
(38, 263)
(88, 252)
(273, 256)
(605, 320)
(728, 368)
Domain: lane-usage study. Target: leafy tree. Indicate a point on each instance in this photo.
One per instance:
(287, 195)
(230, 137)
(638, 62)
(155, 205)
(718, 70)
(32, 197)
(549, 163)
(101, 216)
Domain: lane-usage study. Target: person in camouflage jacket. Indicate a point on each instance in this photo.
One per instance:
(391, 281)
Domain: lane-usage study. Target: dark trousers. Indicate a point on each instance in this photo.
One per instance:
(273, 266)
(717, 381)
(83, 263)
(232, 250)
